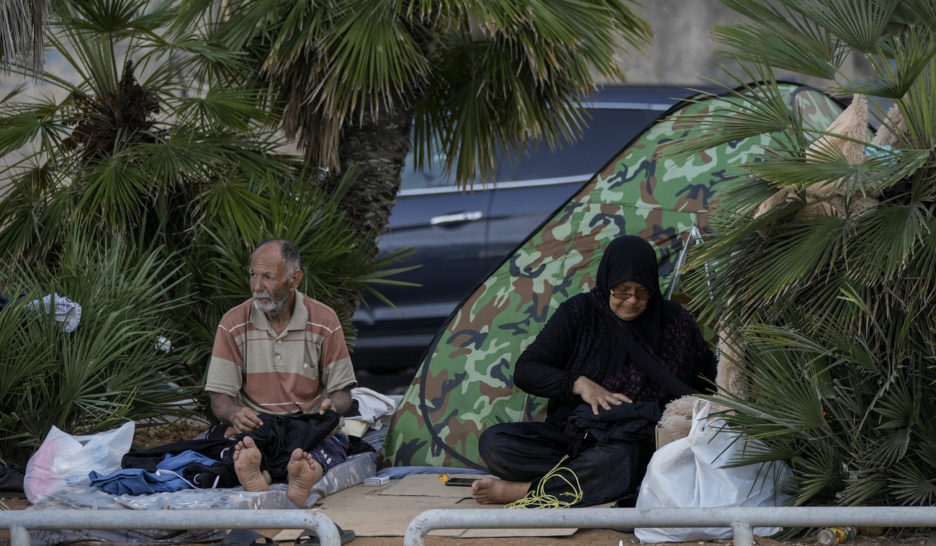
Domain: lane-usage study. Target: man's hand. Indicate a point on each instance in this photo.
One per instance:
(245, 419)
(340, 401)
(595, 395)
(227, 410)
(326, 405)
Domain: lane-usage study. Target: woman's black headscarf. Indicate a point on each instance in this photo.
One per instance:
(631, 258)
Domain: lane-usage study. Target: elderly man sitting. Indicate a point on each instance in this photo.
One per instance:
(280, 353)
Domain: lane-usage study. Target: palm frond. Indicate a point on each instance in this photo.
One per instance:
(221, 109)
(112, 190)
(912, 52)
(114, 19)
(916, 12)
(800, 251)
(863, 487)
(783, 38)
(35, 121)
(379, 60)
(30, 210)
(859, 23)
(885, 239)
(750, 110)
(817, 474)
(917, 109)
(912, 486)
(479, 77)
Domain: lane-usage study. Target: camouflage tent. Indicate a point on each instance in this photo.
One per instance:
(465, 382)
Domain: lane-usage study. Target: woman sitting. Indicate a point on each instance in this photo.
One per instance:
(608, 361)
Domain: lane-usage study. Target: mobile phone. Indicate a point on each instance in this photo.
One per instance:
(460, 481)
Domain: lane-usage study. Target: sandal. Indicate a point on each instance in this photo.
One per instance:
(308, 536)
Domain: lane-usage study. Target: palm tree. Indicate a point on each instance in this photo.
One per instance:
(150, 147)
(120, 147)
(149, 142)
(354, 80)
(822, 265)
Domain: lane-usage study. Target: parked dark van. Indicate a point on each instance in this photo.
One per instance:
(460, 236)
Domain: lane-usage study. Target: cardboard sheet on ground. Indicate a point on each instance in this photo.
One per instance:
(428, 484)
(388, 510)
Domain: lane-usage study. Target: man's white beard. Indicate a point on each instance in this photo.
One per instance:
(271, 306)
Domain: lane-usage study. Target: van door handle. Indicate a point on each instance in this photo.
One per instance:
(457, 218)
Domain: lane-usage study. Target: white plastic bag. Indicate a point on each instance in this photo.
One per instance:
(689, 473)
(64, 460)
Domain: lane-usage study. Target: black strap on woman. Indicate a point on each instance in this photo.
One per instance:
(648, 363)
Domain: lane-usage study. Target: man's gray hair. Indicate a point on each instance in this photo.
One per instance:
(290, 253)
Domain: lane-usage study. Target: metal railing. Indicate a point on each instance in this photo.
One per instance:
(741, 520)
(20, 521)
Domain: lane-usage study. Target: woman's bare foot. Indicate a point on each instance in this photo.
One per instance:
(498, 491)
(302, 473)
(247, 459)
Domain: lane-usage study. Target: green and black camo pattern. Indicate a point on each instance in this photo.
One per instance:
(466, 381)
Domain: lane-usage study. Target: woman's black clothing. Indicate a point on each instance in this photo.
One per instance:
(584, 338)
(577, 340)
(527, 451)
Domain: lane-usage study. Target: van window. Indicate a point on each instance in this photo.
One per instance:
(433, 176)
(609, 131)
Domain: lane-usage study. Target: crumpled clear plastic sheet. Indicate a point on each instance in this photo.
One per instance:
(350, 472)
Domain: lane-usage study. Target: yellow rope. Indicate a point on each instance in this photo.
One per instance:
(538, 497)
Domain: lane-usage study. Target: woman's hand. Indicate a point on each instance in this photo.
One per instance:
(595, 395)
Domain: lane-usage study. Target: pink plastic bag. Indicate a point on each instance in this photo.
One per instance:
(63, 460)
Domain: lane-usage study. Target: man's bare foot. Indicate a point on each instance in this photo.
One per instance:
(247, 459)
(302, 473)
(498, 491)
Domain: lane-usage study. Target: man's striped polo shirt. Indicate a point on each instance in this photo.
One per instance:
(282, 372)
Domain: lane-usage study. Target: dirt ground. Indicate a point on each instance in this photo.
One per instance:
(605, 537)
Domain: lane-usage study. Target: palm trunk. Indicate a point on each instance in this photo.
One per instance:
(375, 150)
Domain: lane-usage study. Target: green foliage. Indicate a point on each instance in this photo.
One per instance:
(829, 292)
(848, 414)
(21, 26)
(471, 74)
(149, 149)
(106, 371)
